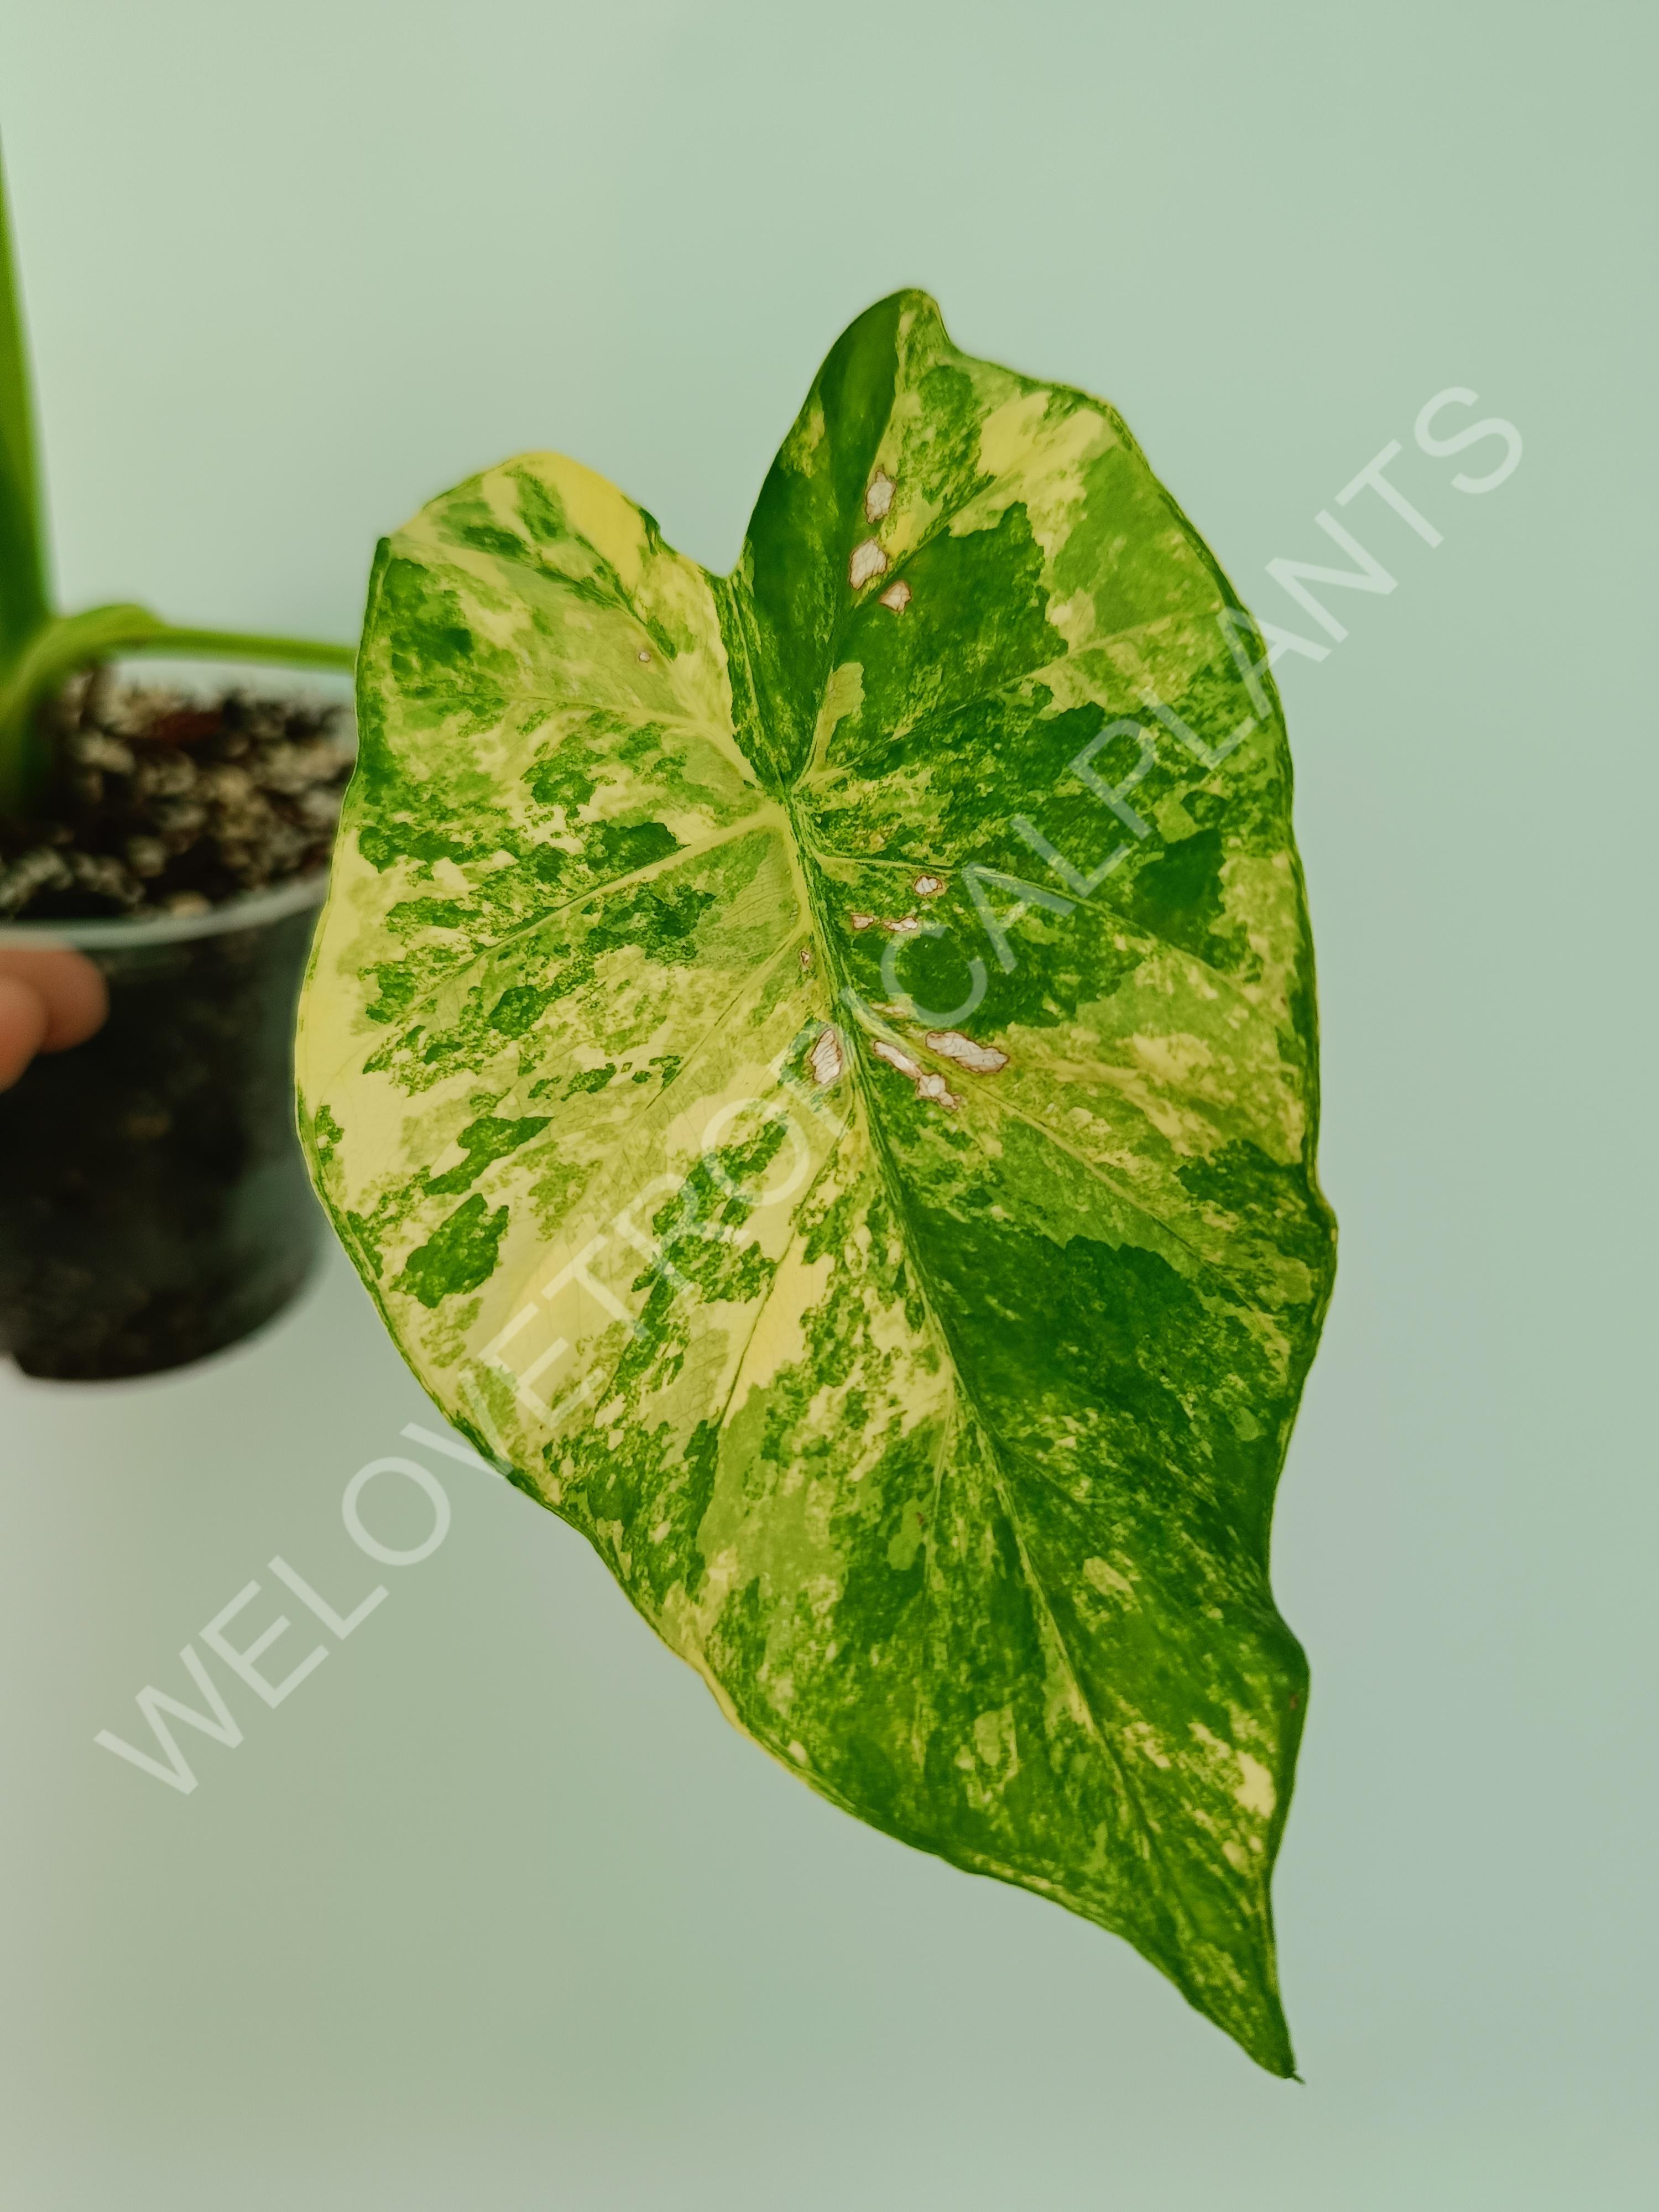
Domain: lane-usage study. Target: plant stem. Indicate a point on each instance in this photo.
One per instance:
(242, 645)
(23, 601)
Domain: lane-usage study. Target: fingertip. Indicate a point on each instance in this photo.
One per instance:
(23, 1023)
(77, 1000)
(70, 988)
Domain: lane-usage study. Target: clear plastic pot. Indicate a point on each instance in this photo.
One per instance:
(153, 1200)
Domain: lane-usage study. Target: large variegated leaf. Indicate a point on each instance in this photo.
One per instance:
(817, 1068)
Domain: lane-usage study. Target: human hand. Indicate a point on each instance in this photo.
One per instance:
(49, 1000)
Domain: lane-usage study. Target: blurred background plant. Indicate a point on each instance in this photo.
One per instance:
(39, 647)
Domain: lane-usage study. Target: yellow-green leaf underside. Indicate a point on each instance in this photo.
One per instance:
(817, 1067)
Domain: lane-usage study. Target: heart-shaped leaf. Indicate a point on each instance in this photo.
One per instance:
(817, 1068)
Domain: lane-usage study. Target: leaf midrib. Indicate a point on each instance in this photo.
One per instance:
(897, 1198)
(895, 1191)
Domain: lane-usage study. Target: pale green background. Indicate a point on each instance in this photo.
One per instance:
(495, 1913)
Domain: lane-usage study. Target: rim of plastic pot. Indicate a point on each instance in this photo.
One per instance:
(247, 911)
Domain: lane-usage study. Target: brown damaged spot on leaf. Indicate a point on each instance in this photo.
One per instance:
(862, 921)
(826, 1059)
(932, 1087)
(867, 562)
(928, 886)
(806, 960)
(896, 1056)
(879, 496)
(897, 596)
(977, 1059)
(904, 925)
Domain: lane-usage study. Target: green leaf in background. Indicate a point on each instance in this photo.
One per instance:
(39, 647)
(817, 1068)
